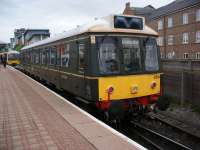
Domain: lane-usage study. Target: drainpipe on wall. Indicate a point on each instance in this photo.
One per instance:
(165, 37)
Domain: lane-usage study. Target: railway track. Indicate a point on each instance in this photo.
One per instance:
(135, 130)
(173, 122)
(170, 128)
(156, 140)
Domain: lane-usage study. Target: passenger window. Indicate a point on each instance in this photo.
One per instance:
(65, 56)
(81, 57)
(53, 56)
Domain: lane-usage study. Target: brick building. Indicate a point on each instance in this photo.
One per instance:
(178, 25)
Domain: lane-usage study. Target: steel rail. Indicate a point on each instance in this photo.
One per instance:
(176, 144)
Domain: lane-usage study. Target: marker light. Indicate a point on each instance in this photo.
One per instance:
(153, 84)
(110, 89)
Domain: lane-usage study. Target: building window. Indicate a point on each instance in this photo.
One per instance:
(171, 55)
(185, 38)
(185, 18)
(198, 55)
(198, 15)
(160, 41)
(185, 55)
(162, 55)
(170, 22)
(198, 37)
(160, 24)
(170, 39)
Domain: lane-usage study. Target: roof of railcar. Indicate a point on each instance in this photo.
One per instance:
(102, 25)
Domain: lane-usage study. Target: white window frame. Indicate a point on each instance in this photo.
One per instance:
(160, 41)
(198, 36)
(198, 15)
(170, 22)
(160, 24)
(197, 55)
(170, 39)
(162, 55)
(185, 39)
(185, 55)
(185, 18)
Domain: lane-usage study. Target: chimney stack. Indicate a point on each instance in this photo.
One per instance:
(128, 5)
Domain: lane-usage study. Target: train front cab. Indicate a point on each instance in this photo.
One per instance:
(13, 58)
(128, 74)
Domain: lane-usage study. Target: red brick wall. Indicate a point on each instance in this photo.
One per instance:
(177, 30)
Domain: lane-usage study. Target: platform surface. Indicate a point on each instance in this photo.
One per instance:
(33, 117)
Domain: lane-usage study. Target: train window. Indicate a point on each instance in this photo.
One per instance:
(48, 56)
(53, 56)
(58, 56)
(151, 55)
(37, 58)
(107, 55)
(65, 56)
(131, 55)
(43, 57)
(81, 57)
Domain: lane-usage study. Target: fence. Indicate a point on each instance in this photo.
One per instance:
(181, 80)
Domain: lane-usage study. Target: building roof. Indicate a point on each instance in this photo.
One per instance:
(173, 7)
(96, 26)
(142, 11)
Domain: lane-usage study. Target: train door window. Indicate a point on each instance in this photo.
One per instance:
(131, 55)
(58, 56)
(151, 55)
(32, 57)
(48, 56)
(65, 56)
(81, 52)
(43, 57)
(107, 55)
(53, 56)
(37, 58)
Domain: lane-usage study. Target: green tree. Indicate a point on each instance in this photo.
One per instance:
(18, 47)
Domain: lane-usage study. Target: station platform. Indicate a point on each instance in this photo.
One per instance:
(32, 117)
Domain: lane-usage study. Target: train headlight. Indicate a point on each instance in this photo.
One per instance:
(153, 84)
(110, 89)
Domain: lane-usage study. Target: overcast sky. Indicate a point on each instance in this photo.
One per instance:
(59, 15)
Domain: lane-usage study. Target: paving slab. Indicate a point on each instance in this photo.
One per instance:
(34, 117)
